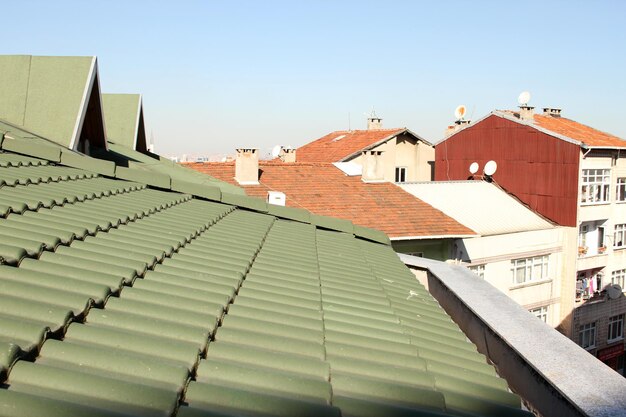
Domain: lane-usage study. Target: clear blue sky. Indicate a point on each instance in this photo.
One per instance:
(216, 75)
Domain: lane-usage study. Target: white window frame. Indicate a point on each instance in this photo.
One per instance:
(595, 186)
(541, 313)
(618, 277)
(478, 270)
(587, 335)
(620, 190)
(532, 269)
(616, 328)
(619, 236)
(401, 174)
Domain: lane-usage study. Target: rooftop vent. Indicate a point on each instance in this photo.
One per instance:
(276, 197)
(549, 111)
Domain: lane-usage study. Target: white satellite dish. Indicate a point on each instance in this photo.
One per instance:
(276, 151)
(473, 168)
(523, 98)
(490, 168)
(459, 112)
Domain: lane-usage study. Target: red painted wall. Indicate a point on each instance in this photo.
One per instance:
(540, 170)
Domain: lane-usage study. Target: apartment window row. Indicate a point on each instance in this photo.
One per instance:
(616, 328)
(541, 313)
(401, 174)
(587, 335)
(618, 277)
(530, 269)
(596, 184)
(587, 332)
(619, 236)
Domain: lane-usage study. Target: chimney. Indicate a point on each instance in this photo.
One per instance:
(287, 154)
(548, 111)
(247, 166)
(373, 167)
(374, 122)
(526, 113)
(458, 125)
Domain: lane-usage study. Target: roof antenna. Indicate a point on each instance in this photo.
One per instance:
(349, 126)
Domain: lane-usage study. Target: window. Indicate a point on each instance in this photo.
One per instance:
(620, 195)
(595, 186)
(541, 313)
(617, 277)
(616, 328)
(587, 335)
(619, 237)
(582, 236)
(400, 174)
(478, 270)
(529, 269)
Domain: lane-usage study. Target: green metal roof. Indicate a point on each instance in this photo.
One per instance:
(123, 117)
(120, 298)
(52, 97)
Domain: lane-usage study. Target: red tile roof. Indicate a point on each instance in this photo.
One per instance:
(338, 145)
(578, 131)
(572, 129)
(324, 189)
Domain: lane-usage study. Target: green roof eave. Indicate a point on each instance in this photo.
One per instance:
(251, 203)
(371, 234)
(333, 223)
(290, 213)
(77, 160)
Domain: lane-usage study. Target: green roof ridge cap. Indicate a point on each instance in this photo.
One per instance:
(333, 223)
(290, 213)
(17, 144)
(198, 190)
(251, 203)
(76, 160)
(142, 176)
(371, 234)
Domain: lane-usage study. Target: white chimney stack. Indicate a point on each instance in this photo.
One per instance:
(287, 154)
(526, 113)
(374, 122)
(373, 166)
(247, 166)
(549, 111)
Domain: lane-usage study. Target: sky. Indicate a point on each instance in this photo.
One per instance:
(216, 75)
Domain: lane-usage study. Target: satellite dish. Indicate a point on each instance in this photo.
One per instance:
(276, 151)
(490, 168)
(473, 168)
(460, 111)
(613, 291)
(524, 98)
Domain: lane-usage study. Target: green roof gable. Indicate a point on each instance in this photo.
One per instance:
(54, 97)
(123, 116)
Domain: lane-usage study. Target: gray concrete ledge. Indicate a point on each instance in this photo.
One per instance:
(551, 373)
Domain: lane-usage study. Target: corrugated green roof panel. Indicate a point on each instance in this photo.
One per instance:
(142, 287)
(121, 117)
(46, 94)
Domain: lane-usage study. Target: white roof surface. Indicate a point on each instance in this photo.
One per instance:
(479, 205)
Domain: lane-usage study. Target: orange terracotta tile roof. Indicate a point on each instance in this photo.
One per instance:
(336, 146)
(325, 190)
(578, 131)
(573, 130)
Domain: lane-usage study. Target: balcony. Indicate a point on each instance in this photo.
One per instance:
(591, 258)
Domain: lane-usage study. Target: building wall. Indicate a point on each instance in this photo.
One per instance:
(405, 151)
(438, 249)
(540, 170)
(496, 254)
